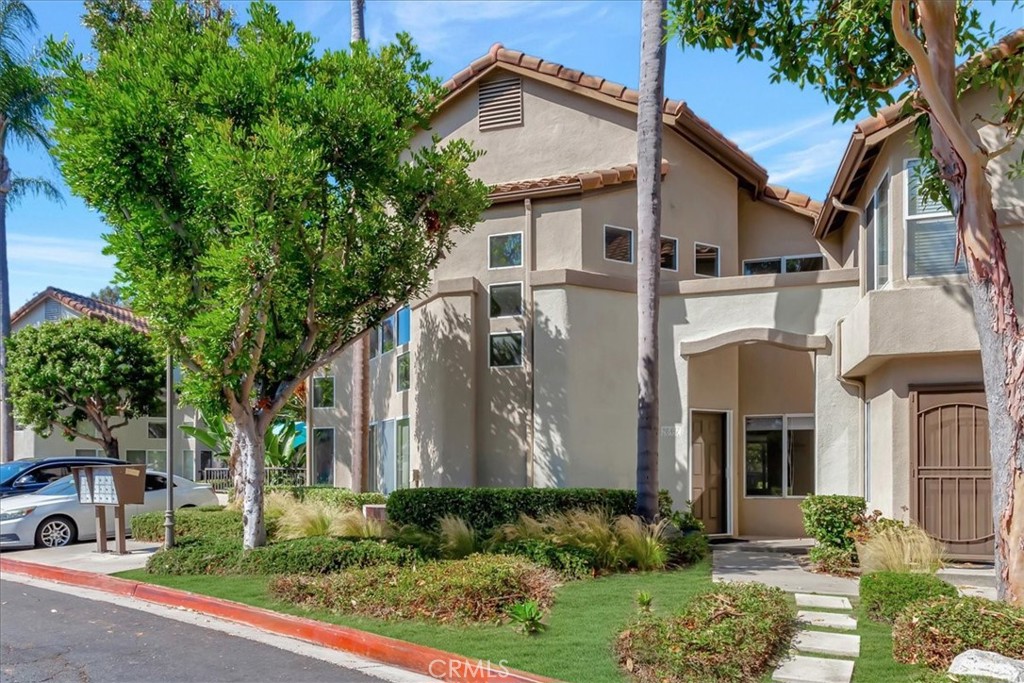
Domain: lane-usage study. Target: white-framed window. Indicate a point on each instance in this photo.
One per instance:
(618, 244)
(403, 448)
(156, 430)
(403, 372)
(506, 299)
(774, 265)
(88, 452)
(878, 218)
(323, 456)
(392, 332)
(779, 460)
(669, 253)
(505, 251)
(506, 350)
(931, 232)
(706, 259)
(867, 450)
(323, 391)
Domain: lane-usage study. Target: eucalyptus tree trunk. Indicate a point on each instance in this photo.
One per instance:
(648, 272)
(962, 160)
(251, 473)
(6, 412)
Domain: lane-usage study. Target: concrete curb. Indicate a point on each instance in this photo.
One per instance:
(444, 666)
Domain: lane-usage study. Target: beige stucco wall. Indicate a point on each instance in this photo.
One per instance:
(766, 231)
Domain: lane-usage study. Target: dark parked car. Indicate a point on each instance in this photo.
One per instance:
(31, 474)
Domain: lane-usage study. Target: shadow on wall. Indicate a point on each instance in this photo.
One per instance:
(551, 436)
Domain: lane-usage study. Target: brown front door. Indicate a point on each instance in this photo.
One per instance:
(951, 471)
(707, 449)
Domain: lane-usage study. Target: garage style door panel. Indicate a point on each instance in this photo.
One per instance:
(951, 472)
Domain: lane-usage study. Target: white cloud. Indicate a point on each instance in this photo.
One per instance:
(758, 139)
(808, 163)
(34, 251)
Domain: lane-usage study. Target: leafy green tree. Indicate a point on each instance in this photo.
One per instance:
(111, 294)
(76, 372)
(23, 97)
(265, 208)
(859, 54)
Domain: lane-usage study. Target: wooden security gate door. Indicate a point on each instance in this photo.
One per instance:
(951, 473)
(707, 451)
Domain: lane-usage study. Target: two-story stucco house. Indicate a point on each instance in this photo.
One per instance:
(141, 440)
(804, 348)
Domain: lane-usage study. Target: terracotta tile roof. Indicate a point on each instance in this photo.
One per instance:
(682, 117)
(794, 201)
(873, 130)
(87, 306)
(567, 184)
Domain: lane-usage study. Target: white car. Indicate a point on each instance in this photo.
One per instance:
(52, 516)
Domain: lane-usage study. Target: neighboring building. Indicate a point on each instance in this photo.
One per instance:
(141, 440)
(804, 349)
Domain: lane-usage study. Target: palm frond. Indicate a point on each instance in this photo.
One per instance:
(36, 187)
(16, 22)
(24, 95)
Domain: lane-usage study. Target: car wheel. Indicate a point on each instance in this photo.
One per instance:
(55, 532)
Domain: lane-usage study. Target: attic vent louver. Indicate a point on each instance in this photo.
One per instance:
(501, 103)
(51, 311)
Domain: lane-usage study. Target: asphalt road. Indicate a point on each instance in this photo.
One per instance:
(52, 637)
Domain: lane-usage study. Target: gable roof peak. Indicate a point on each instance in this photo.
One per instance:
(86, 306)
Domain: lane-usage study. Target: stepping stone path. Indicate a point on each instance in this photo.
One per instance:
(839, 648)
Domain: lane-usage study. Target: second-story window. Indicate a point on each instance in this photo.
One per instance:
(931, 233)
(392, 332)
(505, 251)
(506, 300)
(784, 264)
(323, 392)
(618, 244)
(879, 227)
(669, 253)
(705, 260)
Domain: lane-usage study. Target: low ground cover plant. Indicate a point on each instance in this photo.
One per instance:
(933, 632)
(480, 588)
(732, 632)
(489, 508)
(319, 555)
(884, 595)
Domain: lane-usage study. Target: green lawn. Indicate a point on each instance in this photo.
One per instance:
(577, 647)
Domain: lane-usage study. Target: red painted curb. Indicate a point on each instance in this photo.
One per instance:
(444, 666)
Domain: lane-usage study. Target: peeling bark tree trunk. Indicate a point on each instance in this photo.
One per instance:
(648, 273)
(962, 163)
(251, 451)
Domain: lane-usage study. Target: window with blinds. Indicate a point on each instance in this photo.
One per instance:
(931, 233)
(500, 103)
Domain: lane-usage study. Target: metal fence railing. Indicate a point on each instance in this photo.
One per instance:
(220, 477)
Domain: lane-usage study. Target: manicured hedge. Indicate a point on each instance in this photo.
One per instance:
(342, 498)
(884, 595)
(733, 632)
(477, 589)
(488, 508)
(933, 632)
(197, 523)
(830, 519)
(320, 555)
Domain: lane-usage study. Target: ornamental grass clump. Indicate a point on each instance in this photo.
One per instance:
(732, 632)
(305, 520)
(457, 538)
(480, 588)
(901, 549)
(642, 545)
(353, 524)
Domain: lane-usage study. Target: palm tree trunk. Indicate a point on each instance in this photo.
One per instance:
(6, 412)
(358, 20)
(648, 272)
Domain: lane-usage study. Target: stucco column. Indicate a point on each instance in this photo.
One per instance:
(838, 411)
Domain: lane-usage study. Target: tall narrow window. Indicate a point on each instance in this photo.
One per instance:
(403, 438)
(387, 335)
(705, 260)
(373, 458)
(323, 392)
(618, 244)
(403, 321)
(931, 233)
(373, 340)
(402, 372)
(505, 251)
(799, 455)
(881, 224)
(669, 253)
(323, 456)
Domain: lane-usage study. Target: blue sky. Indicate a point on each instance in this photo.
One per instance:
(787, 130)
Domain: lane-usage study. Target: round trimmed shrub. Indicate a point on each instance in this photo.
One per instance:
(884, 595)
(831, 519)
(933, 632)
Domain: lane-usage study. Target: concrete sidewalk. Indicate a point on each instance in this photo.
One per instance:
(774, 568)
(83, 557)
